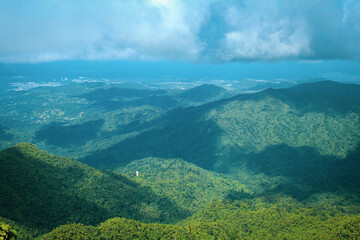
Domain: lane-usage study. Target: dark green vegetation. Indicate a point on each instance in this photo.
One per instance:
(277, 164)
(184, 183)
(289, 140)
(55, 133)
(203, 93)
(7, 232)
(325, 120)
(229, 220)
(21, 231)
(78, 119)
(40, 190)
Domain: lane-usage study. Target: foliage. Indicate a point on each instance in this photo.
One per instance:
(265, 140)
(81, 118)
(7, 232)
(279, 164)
(285, 219)
(42, 191)
(189, 186)
(21, 231)
(248, 219)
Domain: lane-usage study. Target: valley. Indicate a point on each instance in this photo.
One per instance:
(180, 120)
(211, 164)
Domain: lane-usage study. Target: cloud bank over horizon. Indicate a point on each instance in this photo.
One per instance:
(196, 31)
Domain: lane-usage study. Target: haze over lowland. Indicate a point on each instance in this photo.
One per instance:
(176, 119)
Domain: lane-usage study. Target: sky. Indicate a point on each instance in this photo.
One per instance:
(202, 35)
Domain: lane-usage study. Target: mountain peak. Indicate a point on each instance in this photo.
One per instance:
(203, 93)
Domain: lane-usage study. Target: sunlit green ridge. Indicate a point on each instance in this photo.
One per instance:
(277, 164)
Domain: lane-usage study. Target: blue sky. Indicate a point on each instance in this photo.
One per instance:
(292, 38)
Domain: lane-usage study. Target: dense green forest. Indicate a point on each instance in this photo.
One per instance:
(42, 191)
(325, 120)
(203, 94)
(277, 164)
(255, 219)
(47, 191)
(81, 118)
(272, 140)
(189, 186)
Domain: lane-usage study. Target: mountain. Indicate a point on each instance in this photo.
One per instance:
(251, 124)
(297, 134)
(42, 191)
(203, 93)
(75, 119)
(186, 184)
(277, 164)
(324, 96)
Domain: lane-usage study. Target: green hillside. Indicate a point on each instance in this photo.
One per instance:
(42, 191)
(203, 93)
(249, 125)
(262, 139)
(81, 118)
(255, 219)
(278, 164)
(187, 185)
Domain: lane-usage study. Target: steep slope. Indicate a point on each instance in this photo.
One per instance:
(251, 124)
(187, 185)
(41, 190)
(324, 96)
(264, 138)
(80, 118)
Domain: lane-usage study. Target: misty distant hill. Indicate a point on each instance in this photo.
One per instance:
(204, 93)
(104, 94)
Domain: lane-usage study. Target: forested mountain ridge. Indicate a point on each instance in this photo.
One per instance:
(229, 220)
(203, 93)
(273, 140)
(77, 119)
(186, 184)
(249, 124)
(279, 164)
(42, 191)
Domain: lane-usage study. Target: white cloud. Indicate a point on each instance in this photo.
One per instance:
(215, 30)
(261, 30)
(253, 44)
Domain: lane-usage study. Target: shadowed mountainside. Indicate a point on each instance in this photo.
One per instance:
(43, 191)
(268, 139)
(212, 135)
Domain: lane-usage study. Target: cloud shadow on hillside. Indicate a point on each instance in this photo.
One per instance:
(309, 172)
(70, 193)
(197, 147)
(61, 135)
